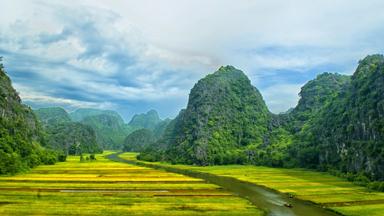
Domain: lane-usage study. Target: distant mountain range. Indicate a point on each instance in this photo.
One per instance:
(95, 129)
(61, 133)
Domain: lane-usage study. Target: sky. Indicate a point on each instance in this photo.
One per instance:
(133, 56)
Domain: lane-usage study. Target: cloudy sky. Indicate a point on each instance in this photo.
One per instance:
(132, 56)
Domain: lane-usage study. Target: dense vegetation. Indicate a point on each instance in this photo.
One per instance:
(224, 118)
(313, 96)
(110, 129)
(338, 125)
(107, 126)
(147, 120)
(82, 113)
(52, 115)
(65, 136)
(152, 129)
(73, 138)
(20, 133)
(348, 133)
(138, 140)
(160, 127)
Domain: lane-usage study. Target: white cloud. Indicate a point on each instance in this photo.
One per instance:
(155, 50)
(281, 97)
(29, 95)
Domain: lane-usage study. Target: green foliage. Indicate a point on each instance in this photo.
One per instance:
(80, 114)
(49, 157)
(313, 96)
(338, 124)
(347, 133)
(160, 127)
(147, 120)
(378, 186)
(138, 140)
(52, 115)
(72, 138)
(225, 114)
(108, 125)
(20, 132)
(65, 136)
(110, 131)
(61, 157)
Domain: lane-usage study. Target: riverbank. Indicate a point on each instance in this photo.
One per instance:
(273, 202)
(325, 190)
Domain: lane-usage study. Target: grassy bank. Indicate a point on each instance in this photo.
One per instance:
(103, 187)
(321, 188)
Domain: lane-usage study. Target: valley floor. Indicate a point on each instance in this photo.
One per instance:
(104, 187)
(321, 188)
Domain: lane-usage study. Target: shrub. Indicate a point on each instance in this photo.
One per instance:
(49, 157)
(62, 157)
(361, 180)
(378, 186)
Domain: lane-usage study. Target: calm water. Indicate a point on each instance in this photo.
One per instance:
(271, 201)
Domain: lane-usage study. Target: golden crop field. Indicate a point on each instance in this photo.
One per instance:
(104, 187)
(318, 187)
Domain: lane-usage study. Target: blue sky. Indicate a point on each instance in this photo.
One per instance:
(132, 56)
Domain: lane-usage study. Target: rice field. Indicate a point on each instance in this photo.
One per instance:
(104, 187)
(326, 190)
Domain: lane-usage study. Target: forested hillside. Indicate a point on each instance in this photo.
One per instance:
(225, 116)
(151, 129)
(63, 135)
(20, 133)
(82, 113)
(73, 138)
(52, 115)
(348, 133)
(160, 127)
(337, 125)
(147, 120)
(138, 140)
(110, 130)
(313, 96)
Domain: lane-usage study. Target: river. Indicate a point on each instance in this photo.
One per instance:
(272, 202)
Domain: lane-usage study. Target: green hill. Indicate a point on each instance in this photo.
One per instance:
(147, 120)
(52, 115)
(314, 95)
(63, 135)
(338, 124)
(224, 117)
(73, 138)
(138, 140)
(110, 130)
(20, 133)
(348, 133)
(80, 114)
(109, 126)
(160, 127)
